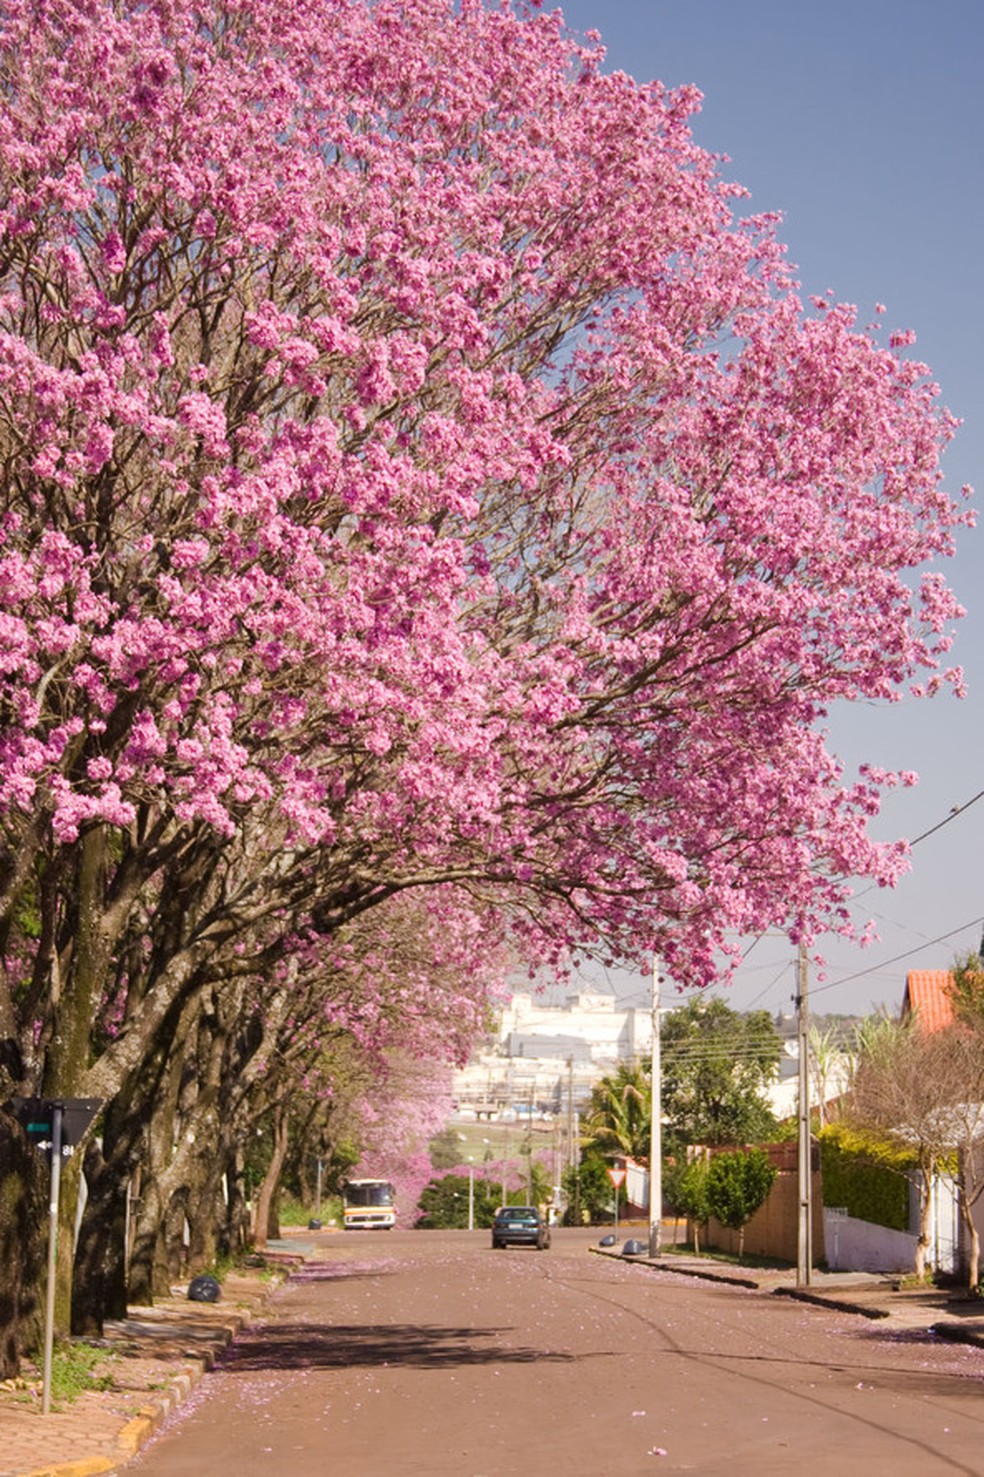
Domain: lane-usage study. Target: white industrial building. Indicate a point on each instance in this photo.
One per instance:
(546, 1058)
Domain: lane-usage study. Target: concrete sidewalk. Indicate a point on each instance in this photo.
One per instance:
(154, 1359)
(157, 1356)
(946, 1313)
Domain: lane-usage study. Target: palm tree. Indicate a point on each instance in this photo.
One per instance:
(618, 1118)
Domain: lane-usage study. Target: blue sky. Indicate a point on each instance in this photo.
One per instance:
(862, 121)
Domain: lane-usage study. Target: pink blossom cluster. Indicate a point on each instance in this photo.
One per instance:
(416, 478)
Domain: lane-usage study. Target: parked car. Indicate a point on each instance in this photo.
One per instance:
(520, 1225)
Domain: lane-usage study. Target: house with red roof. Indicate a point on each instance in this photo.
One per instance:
(928, 998)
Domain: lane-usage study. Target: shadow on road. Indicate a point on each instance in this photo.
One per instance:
(310, 1346)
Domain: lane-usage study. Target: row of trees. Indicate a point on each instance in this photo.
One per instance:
(432, 530)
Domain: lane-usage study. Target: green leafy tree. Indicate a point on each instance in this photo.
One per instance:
(587, 1189)
(444, 1203)
(685, 1188)
(617, 1121)
(967, 991)
(737, 1184)
(716, 1066)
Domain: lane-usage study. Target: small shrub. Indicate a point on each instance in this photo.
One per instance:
(77, 1367)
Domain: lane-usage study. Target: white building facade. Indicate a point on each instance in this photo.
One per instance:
(547, 1058)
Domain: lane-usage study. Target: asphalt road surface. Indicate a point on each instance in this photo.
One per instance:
(430, 1353)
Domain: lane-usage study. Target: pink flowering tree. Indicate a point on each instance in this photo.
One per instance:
(416, 478)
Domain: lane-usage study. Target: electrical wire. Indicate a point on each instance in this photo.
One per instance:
(955, 811)
(883, 963)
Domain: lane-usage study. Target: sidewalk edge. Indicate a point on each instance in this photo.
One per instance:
(137, 1431)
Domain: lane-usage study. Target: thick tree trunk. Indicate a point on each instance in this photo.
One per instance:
(174, 1264)
(99, 1284)
(973, 1241)
(237, 1222)
(265, 1218)
(150, 1274)
(207, 1215)
(22, 1223)
(141, 1269)
(68, 1053)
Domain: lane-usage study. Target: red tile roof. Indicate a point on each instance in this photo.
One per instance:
(927, 996)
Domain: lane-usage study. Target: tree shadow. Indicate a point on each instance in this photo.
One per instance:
(344, 1346)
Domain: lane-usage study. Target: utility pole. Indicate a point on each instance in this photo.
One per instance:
(529, 1144)
(804, 1240)
(655, 1129)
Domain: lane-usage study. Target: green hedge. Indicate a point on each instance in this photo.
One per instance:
(867, 1177)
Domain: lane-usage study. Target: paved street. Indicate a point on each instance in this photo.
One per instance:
(417, 1353)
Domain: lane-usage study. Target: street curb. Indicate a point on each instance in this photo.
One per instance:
(825, 1300)
(84, 1467)
(706, 1274)
(140, 1428)
(946, 1328)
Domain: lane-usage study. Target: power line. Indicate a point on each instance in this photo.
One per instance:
(883, 963)
(954, 812)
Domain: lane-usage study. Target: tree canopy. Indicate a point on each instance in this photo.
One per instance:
(716, 1064)
(432, 531)
(618, 1116)
(737, 1184)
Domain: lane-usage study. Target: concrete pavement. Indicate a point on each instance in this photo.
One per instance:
(154, 1359)
(156, 1356)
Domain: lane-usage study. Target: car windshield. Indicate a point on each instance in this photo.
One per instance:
(518, 1215)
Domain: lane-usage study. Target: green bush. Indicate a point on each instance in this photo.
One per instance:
(685, 1191)
(444, 1203)
(737, 1184)
(867, 1177)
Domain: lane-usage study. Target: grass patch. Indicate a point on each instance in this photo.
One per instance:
(78, 1367)
(292, 1212)
(750, 1261)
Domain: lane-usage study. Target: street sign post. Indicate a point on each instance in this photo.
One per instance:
(54, 1126)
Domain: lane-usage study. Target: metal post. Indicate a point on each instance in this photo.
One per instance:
(804, 1239)
(317, 1208)
(49, 1311)
(471, 1196)
(656, 1129)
